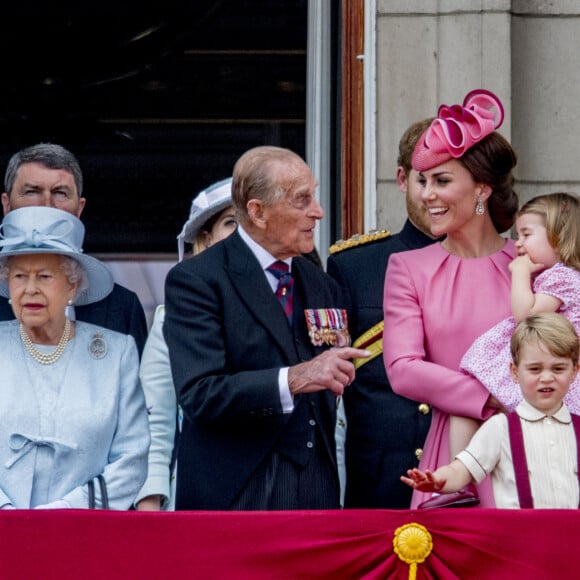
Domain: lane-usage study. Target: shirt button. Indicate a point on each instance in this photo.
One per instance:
(424, 408)
(312, 422)
(418, 454)
(310, 445)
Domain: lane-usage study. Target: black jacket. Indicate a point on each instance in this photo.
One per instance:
(385, 431)
(228, 339)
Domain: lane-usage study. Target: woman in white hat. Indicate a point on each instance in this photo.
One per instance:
(211, 220)
(71, 407)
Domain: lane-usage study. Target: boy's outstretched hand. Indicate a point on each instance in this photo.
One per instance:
(423, 480)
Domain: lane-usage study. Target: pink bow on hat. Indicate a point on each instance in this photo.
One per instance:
(457, 128)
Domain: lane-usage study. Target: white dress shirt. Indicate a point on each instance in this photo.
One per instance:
(266, 259)
(550, 444)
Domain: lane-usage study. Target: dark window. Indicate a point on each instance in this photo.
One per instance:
(157, 100)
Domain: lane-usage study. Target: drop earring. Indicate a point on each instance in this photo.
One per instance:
(10, 301)
(479, 207)
(69, 311)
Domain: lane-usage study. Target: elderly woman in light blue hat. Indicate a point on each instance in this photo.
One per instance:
(211, 220)
(72, 410)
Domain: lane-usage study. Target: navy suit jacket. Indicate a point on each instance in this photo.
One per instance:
(384, 430)
(121, 310)
(228, 338)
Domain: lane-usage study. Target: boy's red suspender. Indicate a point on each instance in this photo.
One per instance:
(519, 457)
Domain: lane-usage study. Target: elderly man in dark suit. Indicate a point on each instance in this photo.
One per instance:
(384, 431)
(48, 174)
(250, 351)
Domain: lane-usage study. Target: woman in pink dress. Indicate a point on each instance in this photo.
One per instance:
(440, 298)
(545, 278)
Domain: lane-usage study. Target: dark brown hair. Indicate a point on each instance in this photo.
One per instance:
(491, 161)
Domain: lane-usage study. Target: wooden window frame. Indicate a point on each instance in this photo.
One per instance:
(352, 119)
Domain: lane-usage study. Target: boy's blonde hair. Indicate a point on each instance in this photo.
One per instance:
(552, 330)
(561, 215)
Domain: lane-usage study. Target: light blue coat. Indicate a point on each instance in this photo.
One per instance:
(157, 382)
(63, 424)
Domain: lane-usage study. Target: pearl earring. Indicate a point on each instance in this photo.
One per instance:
(479, 208)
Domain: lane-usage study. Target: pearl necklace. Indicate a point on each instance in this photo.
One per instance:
(47, 359)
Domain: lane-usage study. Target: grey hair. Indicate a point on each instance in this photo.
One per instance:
(72, 269)
(256, 176)
(75, 272)
(50, 155)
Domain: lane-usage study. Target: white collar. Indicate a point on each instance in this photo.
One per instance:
(262, 255)
(530, 413)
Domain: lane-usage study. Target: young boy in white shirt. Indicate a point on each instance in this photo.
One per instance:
(545, 352)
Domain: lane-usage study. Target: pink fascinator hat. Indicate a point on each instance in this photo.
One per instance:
(457, 128)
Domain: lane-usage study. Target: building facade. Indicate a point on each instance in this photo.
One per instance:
(432, 52)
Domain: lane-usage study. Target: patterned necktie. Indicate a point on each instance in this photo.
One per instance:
(285, 286)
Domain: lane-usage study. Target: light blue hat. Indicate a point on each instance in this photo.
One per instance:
(46, 230)
(205, 205)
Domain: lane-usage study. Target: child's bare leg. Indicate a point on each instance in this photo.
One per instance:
(461, 430)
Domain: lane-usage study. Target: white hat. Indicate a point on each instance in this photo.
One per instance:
(205, 205)
(46, 230)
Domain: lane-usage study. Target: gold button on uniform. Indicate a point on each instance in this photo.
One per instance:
(418, 454)
(424, 408)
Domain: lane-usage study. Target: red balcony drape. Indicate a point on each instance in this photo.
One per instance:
(469, 543)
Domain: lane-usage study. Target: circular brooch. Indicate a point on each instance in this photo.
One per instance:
(98, 346)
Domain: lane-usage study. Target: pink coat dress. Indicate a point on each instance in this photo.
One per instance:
(435, 305)
(489, 357)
